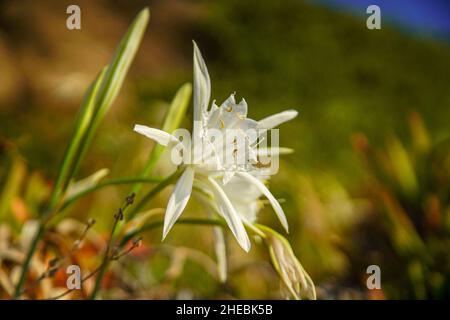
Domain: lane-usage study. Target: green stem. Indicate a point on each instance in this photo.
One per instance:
(108, 183)
(155, 224)
(104, 265)
(116, 231)
(65, 204)
(107, 257)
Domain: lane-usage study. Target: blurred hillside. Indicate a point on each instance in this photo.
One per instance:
(339, 75)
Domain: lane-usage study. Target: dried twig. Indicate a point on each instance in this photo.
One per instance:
(135, 243)
(112, 238)
(55, 263)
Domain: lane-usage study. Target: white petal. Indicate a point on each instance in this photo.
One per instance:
(242, 107)
(213, 116)
(230, 100)
(276, 206)
(227, 176)
(159, 136)
(233, 115)
(277, 119)
(221, 253)
(178, 199)
(239, 189)
(202, 85)
(232, 218)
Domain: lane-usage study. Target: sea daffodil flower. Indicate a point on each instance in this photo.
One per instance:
(212, 174)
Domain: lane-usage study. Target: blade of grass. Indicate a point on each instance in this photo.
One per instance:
(82, 122)
(114, 77)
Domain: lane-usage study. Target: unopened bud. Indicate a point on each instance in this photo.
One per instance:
(137, 242)
(130, 198)
(51, 273)
(119, 215)
(53, 262)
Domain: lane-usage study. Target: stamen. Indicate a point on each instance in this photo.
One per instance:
(260, 165)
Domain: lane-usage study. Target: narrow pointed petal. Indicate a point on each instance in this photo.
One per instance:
(275, 204)
(232, 218)
(202, 85)
(159, 136)
(277, 119)
(178, 199)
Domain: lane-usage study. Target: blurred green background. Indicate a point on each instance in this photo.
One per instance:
(368, 182)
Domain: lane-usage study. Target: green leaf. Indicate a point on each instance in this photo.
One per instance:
(172, 121)
(114, 77)
(87, 183)
(178, 108)
(84, 118)
(143, 218)
(68, 200)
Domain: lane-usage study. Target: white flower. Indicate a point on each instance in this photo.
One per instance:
(227, 183)
(244, 196)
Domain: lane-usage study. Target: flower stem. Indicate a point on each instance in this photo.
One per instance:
(112, 238)
(159, 223)
(49, 213)
(116, 230)
(108, 183)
